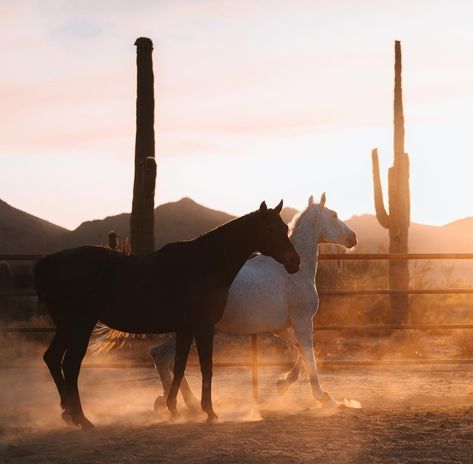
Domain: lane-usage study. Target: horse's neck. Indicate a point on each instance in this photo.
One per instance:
(305, 239)
(231, 244)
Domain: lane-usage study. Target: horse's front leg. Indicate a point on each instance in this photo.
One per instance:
(304, 331)
(204, 340)
(183, 344)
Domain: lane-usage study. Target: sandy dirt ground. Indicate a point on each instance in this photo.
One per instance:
(408, 415)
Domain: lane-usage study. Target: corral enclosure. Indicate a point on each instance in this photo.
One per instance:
(404, 409)
(354, 305)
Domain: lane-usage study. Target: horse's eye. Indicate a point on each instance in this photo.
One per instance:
(335, 215)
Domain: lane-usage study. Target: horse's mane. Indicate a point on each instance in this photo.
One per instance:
(296, 222)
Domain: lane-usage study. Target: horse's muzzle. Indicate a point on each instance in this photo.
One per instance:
(351, 240)
(293, 264)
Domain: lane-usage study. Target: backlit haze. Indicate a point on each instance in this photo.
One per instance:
(254, 100)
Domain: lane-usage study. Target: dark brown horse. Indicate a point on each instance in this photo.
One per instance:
(182, 288)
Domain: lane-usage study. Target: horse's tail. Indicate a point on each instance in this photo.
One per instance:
(106, 339)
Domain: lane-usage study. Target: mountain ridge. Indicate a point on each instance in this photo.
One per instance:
(21, 232)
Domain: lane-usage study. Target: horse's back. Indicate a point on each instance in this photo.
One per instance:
(136, 293)
(75, 275)
(69, 271)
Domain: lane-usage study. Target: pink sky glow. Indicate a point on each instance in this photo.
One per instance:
(271, 100)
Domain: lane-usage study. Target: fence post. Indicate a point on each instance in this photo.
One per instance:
(254, 364)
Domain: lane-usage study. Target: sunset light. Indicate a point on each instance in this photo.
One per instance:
(236, 231)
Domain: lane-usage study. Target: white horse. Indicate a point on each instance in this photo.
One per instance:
(264, 298)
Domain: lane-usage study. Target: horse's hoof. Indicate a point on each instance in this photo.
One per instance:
(282, 387)
(327, 401)
(82, 422)
(66, 417)
(175, 414)
(212, 417)
(85, 424)
(159, 403)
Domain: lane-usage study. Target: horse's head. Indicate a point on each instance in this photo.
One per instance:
(272, 238)
(331, 228)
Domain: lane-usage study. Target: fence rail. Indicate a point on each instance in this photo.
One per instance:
(410, 291)
(330, 256)
(255, 364)
(395, 256)
(18, 257)
(318, 328)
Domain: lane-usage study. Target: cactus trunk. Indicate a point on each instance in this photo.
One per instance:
(398, 220)
(142, 213)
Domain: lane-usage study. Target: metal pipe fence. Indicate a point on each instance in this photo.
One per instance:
(255, 364)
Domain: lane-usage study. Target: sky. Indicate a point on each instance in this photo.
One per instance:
(255, 100)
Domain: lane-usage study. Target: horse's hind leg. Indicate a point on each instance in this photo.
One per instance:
(290, 377)
(190, 399)
(53, 358)
(192, 403)
(77, 347)
(183, 345)
(163, 357)
(162, 362)
(293, 375)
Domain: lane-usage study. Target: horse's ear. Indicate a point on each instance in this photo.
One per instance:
(311, 200)
(323, 199)
(263, 208)
(279, 207)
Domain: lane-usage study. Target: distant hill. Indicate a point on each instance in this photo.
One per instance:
(180, 220)
(21, 232)
(456, 237)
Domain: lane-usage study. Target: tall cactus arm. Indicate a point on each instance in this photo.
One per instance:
(381, 214)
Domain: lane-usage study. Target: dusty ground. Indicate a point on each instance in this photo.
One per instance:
(407, 415)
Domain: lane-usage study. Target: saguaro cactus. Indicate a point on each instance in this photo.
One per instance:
(113, 240)
(142, 213)
(398, 219)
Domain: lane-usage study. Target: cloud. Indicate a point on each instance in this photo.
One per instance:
(223, 69)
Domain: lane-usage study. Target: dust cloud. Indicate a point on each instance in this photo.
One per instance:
(401, 406)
